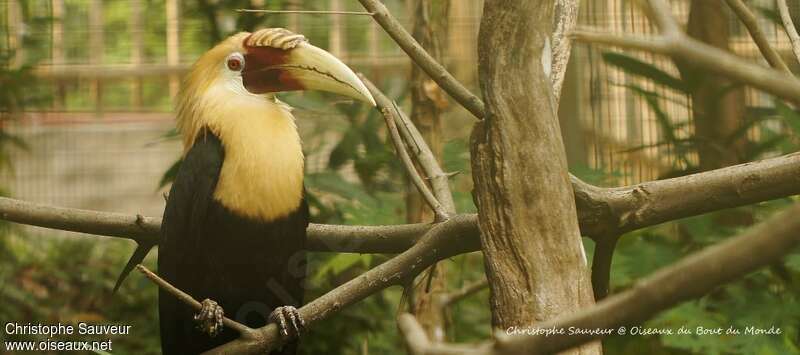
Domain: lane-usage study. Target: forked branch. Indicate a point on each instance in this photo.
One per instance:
(443, 240)
(425, 61)
(189, 300)
(751, 23)
(600, 210)
(788, 25)
(673, 42)
(692, 277)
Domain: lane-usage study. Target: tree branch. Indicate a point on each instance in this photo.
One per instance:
(419, 344)
(788, 25)
(628, 208)
(189, 300)
(443, 240)
(751, 22)
(422, 152)
(674, 43)
(690, 278)
(469, 289)
(425, 61)
(414, 141)
(601, 265)
(600, 210)
(401, 149)
(321, 237)
(309, 12)
(605, 211)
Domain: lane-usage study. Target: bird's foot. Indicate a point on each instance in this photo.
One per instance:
(286, 318)
(209, 320)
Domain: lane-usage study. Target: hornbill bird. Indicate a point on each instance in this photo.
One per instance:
(235, 222)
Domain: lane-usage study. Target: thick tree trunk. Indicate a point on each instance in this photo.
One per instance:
(428, 101)
(717, 106)
(530, 238)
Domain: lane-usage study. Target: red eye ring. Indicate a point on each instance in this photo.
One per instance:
(235, 63)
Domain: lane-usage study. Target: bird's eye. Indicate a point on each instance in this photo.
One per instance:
(235, 62)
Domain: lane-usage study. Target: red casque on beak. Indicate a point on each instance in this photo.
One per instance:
(278, 60)
(262, 72)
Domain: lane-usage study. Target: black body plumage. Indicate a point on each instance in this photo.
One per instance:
(248, 266)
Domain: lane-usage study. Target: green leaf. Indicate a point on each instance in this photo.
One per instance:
(771, 14)
(790, 116)
(634, 66)
(345, 150)
(341, 262)
(332, 183)
(667, 129)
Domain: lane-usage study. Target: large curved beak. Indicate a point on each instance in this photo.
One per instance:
(304, 67)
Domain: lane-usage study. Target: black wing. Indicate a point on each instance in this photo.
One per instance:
(184, 217)
(192, 191)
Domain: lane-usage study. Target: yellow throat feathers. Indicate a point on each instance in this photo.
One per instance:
(262, 174)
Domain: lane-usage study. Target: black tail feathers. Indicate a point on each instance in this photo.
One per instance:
(137, 258)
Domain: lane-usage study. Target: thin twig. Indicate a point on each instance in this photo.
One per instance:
(422, 152)
(411, 170)
(417, 341)
(751, 23)
(661, 13)
(788, 25)
(426, 62)
(189, 300)
(458, 295)
(311, 12)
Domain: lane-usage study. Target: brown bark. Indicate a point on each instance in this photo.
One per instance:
(526, 210)
(430, 25)
(717, 108)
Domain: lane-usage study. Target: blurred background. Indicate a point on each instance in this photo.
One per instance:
(86, 96)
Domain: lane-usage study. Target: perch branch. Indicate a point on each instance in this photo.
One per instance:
(189, 300)
(321, 237)
(600, 210)
(443, 240)
(674, 43)
(423, 59)
(751, 23)
(788, 25)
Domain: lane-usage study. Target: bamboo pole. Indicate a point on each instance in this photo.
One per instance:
(137, 51)
(173, 43)
(96, 49)
(57, 53)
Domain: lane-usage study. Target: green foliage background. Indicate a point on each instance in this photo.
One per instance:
(52, 280)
